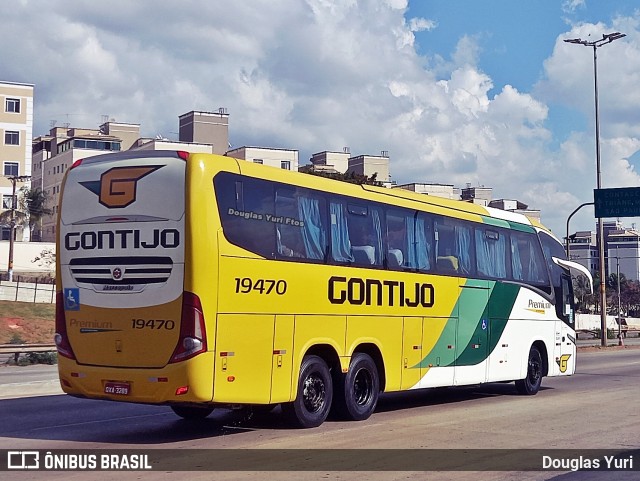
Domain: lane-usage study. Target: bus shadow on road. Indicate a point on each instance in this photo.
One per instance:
(63, 418)
(445, 395)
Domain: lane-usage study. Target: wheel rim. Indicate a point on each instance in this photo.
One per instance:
(313, 394)
(362, 387)
(535, 369)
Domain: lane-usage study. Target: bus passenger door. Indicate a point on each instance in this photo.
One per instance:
(565, 345)
(411, 351)
(472, 347)
(243, 358)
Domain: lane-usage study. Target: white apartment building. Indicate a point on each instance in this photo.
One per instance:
(371, 164)
(280, 158)
(16, 131)
(326, 161)
(53, 154)
(624, 252)
(446, 191)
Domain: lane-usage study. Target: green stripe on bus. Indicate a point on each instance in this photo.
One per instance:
(521, 227)
(490, 325)
(477, 331)
(495, 222)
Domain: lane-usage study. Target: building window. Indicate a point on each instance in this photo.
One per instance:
(11, 137)
(285, 164)
(6, 201)
(96, 144)
(258, 161)
(11, 169)
(12, 105)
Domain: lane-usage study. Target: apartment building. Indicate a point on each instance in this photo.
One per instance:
(623, 247)
(212, 128)
(279, 158)
(371, 164)
(332, 162)
(513, 205)
(53, 154)
(16, 131)
(446, 191)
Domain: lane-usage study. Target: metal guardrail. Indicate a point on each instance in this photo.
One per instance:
(21, 348)
(9, 351)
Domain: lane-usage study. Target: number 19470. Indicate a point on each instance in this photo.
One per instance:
(244, 285)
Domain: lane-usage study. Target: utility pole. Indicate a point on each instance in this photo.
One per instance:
(606, 39)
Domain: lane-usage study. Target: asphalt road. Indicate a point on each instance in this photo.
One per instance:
(594, 409)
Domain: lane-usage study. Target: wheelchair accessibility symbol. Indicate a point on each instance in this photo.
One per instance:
(72, 299)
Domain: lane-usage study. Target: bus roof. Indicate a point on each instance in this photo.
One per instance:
(402, 197)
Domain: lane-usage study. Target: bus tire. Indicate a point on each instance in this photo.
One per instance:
(358, 389)
(192, 412)
(314, 395)
(530, 385)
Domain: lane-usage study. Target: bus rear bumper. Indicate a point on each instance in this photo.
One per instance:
(189, 381)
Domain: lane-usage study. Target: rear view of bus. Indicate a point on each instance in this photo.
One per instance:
(126, 329)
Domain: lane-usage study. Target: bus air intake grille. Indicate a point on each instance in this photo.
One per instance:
(121, 273)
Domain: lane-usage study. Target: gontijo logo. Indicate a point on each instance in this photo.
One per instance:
(117, 187)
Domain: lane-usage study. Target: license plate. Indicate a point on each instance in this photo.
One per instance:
(118, 388)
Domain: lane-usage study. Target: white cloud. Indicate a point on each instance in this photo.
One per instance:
(319, 75)
(570, 6)
(421, 24)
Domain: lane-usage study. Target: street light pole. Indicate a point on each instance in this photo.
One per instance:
(568, 220)
(619, 303)
(12, 223)
(606, 38)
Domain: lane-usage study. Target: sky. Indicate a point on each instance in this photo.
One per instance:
(457, 91)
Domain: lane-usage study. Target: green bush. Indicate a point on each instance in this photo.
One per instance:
(42, 358)
(16, 338)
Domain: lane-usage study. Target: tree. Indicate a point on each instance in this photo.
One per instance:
(583, 294)
(31, 208)
(350, 177)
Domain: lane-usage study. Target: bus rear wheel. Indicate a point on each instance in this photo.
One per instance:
(530, 385)
(357, 391)
(192, 412)
(315, 393)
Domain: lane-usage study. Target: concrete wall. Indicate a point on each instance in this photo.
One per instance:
(23, 255)
(592, 321)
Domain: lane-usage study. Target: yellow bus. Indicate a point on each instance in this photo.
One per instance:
(197, 280)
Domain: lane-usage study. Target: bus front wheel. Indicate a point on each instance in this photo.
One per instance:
(315, 393)
(191, 412)
(530, 385)
(357, 392)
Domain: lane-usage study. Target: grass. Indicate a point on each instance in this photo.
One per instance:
(26, 322)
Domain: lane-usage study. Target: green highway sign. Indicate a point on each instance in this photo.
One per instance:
(621, 202)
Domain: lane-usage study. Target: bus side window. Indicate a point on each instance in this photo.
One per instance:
(409, 240)
(491, 253)
(300, 229)
(243, 204)
(454, 247)
(398, 227)
(365, 234)
(423, 243)
(339, 233)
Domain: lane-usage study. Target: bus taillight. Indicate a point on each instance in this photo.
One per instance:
(193, 339)
(60, 338)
